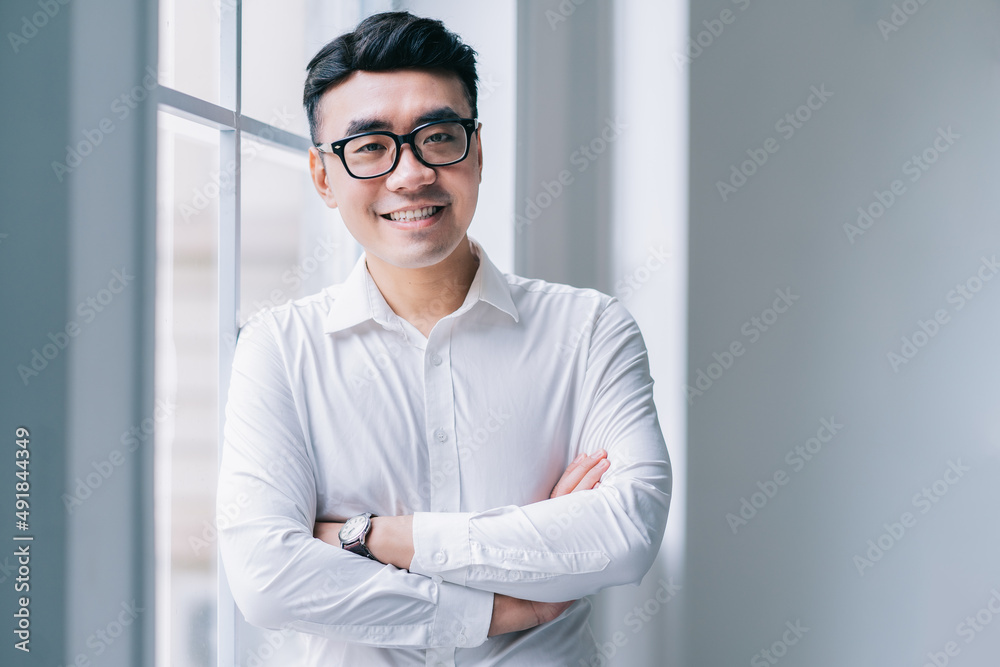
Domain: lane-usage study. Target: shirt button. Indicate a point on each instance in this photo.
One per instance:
(437, 579)
(439, 557)
(440, 435)
(461, 639)
(436, 360)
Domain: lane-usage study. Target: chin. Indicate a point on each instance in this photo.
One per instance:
(410, 257)
(419, 252)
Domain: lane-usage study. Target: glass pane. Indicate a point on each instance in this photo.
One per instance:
(189, 45)
(279, 39)
(292, 245)
(275, 55)
(186, 426)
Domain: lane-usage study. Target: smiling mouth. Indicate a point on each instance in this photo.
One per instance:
(413, 214)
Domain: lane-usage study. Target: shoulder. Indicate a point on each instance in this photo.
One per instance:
(535, 289)
(316, 305)
(534, 294)
(294, 319)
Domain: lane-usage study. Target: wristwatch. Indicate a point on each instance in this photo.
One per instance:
(354, 532)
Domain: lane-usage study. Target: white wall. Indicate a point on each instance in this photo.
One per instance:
(111, 228)
(597, 103)
(826, 357)
(489, 28)
(649, 275)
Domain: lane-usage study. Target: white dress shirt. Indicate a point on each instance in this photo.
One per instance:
(337, 406)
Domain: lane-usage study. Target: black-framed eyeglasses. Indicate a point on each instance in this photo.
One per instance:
(373, 154)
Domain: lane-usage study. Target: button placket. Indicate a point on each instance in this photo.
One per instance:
(440, 420)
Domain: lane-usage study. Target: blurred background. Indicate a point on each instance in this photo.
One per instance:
(794, 199)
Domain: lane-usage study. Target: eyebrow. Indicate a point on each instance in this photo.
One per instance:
(360, 125)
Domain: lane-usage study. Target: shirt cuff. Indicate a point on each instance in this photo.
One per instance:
(441, 544)
(463, 616)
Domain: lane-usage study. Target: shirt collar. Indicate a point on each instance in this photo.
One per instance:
(358, 298)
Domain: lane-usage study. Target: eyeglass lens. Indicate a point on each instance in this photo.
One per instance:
(375, 154)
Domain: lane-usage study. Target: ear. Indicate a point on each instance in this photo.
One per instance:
(317, 169)
(479, 150)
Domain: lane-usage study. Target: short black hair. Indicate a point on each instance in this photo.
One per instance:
(389, 41)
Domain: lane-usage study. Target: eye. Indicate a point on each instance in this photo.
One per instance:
(439, 137)
(371, 147)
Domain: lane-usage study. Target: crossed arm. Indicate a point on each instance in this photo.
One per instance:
(391, 541)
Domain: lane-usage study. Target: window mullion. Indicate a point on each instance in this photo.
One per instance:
(230, 49)
(195, 109)
(274, 134)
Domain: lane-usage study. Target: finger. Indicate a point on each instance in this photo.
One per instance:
(575, 474)
(570, 477)
(593, 476)
(576, 471)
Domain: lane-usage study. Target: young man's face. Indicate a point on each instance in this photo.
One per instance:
(398, 101)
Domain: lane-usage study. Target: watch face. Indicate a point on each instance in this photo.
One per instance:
(353, 529)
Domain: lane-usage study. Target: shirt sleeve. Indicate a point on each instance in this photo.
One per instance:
(575, 545)
(283, 577)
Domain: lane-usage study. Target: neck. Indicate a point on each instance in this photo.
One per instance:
(424, 295)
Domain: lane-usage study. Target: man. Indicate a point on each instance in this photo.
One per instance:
(459, 417)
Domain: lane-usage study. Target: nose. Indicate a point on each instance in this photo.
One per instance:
(410, 173)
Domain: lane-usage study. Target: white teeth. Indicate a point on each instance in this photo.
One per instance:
(416, 214)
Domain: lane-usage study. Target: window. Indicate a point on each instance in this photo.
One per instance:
(240, 228)
(237, 231)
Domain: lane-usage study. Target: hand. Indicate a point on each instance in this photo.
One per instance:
(583, 474)
(513, 614)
